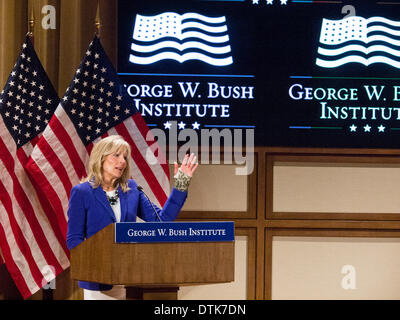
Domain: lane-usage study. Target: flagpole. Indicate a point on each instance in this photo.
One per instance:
(97, 22)
(31, 24)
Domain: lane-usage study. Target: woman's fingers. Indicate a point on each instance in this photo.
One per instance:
(190, 159)
(189, 164)
(185, 160)
(194, 168)
(175, 168)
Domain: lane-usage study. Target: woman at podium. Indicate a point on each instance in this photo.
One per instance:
(108, 195)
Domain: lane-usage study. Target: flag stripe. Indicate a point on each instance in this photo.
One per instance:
(49, 224)
(26, 219)
(56, 163)
(65, 140)
(55, 228)
(12, 267)
(20, 240)
(52, 191)
(48, 179)
(35, 233)
(180, 58)
(29, 228)
(69, 127)
(36, 228)
(11, 249)
(89, 148)
(63, 156)
(32, 143)
(11, 182)
(59, 174)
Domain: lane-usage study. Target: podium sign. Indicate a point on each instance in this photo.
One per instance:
(136, 232)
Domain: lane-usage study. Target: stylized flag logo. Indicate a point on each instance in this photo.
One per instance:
(356, 39)
(189, 36)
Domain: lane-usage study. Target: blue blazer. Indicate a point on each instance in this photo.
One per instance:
(89, 211)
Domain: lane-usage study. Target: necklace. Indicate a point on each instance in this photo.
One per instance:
(113, 199)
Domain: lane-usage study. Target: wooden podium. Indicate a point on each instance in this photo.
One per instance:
(151, 270)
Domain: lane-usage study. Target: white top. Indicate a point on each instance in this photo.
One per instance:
(116, 207)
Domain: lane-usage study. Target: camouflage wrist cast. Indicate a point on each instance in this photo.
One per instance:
(182, 180)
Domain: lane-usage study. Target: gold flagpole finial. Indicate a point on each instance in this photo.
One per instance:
(31, 22)
(97, 22)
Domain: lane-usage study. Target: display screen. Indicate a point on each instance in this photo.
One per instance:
(299, 73)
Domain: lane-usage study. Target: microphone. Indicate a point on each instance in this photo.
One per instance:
(140, 189)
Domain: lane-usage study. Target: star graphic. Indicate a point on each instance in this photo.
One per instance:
(255, 1)
(167, 125)
(270, 1)
(353, 128)
(196, 125)
(283, 2)
(181, 125)
(367, 128)
(381, 128)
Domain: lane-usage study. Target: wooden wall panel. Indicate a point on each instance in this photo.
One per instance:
(332, 264)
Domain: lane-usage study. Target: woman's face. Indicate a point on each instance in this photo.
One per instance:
(114, 165)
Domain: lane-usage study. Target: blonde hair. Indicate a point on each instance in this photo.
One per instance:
(102, 149)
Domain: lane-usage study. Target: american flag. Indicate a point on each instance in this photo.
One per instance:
(359, 40)
(31, 243)
(189, 36)
(95, 105)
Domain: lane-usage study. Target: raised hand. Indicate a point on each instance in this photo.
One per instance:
(188, 166)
